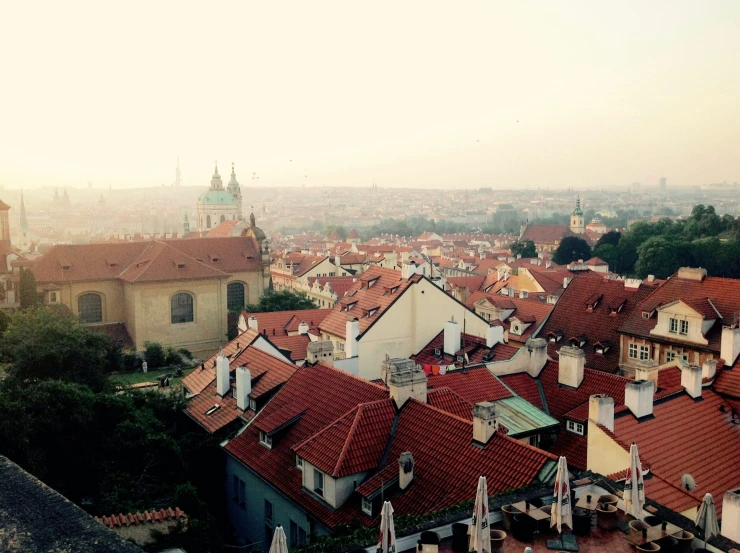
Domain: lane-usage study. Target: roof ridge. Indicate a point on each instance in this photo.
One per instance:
(348, 438)
(447, 413)
(328, 426)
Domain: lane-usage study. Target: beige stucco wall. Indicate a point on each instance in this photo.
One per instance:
(605, 456)
(110, 290)
(254, 281)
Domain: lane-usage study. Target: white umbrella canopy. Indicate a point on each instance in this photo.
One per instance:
(480, 533)
(279, 543)
(562, 512)
(387, 535)
(706, 518)
(634, 486)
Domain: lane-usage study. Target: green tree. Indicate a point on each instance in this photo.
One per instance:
(525, 249)
(154, 355)
(571, 249)
(4, 322)
(284, 300)
(45, 343)
(661, 257)
(28, 296)
(611, 238)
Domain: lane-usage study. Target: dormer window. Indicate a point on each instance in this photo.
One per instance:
(180, 265)
(460, 359)
(299, 463)
(372, 282)
(253, 404)
(372, 311)
(646, 314)
(266, 440)
(683, 327)
(575, 427)
(437, 352)
(367, 506)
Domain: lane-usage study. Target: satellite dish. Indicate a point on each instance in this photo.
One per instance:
(688, 482)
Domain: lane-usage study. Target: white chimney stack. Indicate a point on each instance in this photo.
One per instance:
(452, 338)
(730, 345)
(407, 270)
(709, 368)
(731, 515)
(494, 335)
(571, 366)
(691, 380)
(303, 328)
(223, 383)
(407, 381)
(352, 331)
(405, 470)
(601, 410)
(252, 323)
(243, 387)
(484, 422)
(638, 397)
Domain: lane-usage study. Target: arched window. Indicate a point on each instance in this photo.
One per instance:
(235, 296)
(181, 308)
(90, 308)
(223, 218)
(208, 221)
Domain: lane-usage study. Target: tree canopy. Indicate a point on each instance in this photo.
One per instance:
(27, 295)
(571, 249)
(284, 300)
(524, 249)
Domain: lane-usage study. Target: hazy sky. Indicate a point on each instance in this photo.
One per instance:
(427, 94)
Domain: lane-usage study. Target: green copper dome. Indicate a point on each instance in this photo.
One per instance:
(216, 197)
(233, 183)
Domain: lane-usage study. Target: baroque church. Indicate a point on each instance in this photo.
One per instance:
(218, 204)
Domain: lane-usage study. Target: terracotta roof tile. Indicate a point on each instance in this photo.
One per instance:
(573, 447)
(473, 385)
(447, 400)
(524, 386)
(296, 345)
(279, 323)
(545, 234)
(146, 517)
(727, 382)
(473, 346)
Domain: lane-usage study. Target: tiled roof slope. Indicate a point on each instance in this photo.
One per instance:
(378, 295)
(686, 436)
(473, 346)
(136, 519)
(226, 413)
(279, 323)
(571, 316)
(353, 443)
(447, 400)
(526, 310)
(325, 394)
(158, 260)
(724, 294)
(472, 283)
(545, 234)
(525, 387)
(473, 385)
(573, 447)
(340, 285)
(296, 345)
(727, 382)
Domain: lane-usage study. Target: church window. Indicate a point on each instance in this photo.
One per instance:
(181, 308)
(90, 308)
(208, 221)
(235, 296)
(223, 218)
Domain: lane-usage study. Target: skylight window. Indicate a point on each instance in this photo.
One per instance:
(213, 409)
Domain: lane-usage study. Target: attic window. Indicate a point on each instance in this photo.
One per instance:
(367, 506)
(437, 352)
(575, 427)
(393, 290)
(215, 259)
(646, 314)
(370, 283)
(372, 311)
(213, 409)
(66, 266)
(601, 347)
(351, 293)
(460, 359)
(266, 440)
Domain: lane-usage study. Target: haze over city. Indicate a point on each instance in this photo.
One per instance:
(413, 94)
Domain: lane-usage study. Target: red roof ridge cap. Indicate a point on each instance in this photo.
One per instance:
(447, 413)
(358, 415)
(528, 446)
(328, 426)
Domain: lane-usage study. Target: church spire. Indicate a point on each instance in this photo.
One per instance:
(233, 182)
(216, 182)
(24, 222)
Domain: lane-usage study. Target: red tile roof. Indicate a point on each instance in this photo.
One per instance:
(447, 400)
(545, 234)
(149, 261)
(353, 443)
(473, 346)
(363, 296)
(524, 386)
(526, 310)
(573, 447)
(296, 345)
(199, 406)
(473, 385)
(727, 382)
(117, 332)
(572, 317)
(471, 283)
(686, 436)
(340, 285)
(147, 517)
(306, 264)
(724, 294)
(222, 229)
(279, 323)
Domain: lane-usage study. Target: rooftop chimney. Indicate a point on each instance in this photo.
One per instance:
(537, 349)
(566, 281)
(223, 383)
(303, 328)
(321, 350)
(252, 323)
(601, 410)
(407, 270)
(691, 380)
(484, 422)
(709, 368)
(407, 381)
(638, 397)
(730, 345)
(352, 331)
(632, 282)
(571, 366)
(692, 273)
(494, 335)
(243, 387)
(405, 470)
(452, 338)
(731, 515)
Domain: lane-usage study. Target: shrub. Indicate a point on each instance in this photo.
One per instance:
(154, 355)
(185, 353)
(172, 357)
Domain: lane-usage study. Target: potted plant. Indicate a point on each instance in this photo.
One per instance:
(606, 516)
(684, 540)
(497, 540)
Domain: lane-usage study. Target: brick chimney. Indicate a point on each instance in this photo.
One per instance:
(484, 422)
(252, 323)
(571, 366)
(223, 382)
(405, 470)
(243, 387)
(601, 410)
(352, 331)
(730, 345)
(452, 338)
(407, 381)
(691, 380)
(638, 398)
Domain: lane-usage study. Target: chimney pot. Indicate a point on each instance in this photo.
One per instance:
(405, 381)
(494, 335)
(638, 397)
(709, 368)
(691, 380)
(243, 387)
(405, 470)
(484, 422)
(571, 366)
(252, 323)
(352, 331)
(223, 382)
(452, 338)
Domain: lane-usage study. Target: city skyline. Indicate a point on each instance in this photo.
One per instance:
(525, 95)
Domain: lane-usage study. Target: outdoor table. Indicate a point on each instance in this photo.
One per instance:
(654, 533)
(532, 511)
(584, 503)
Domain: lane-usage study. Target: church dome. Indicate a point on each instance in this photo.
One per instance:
(216, 197)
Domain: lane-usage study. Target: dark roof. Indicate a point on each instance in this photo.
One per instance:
(36, 519)
(574, 318)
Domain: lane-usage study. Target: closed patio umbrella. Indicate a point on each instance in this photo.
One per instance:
(480, 533)
(279, 543)
(634, 487)
(706, 518)
(387, 536)
(562, 512)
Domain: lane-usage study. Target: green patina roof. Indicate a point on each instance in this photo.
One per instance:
(521, 417)
(217, 197)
